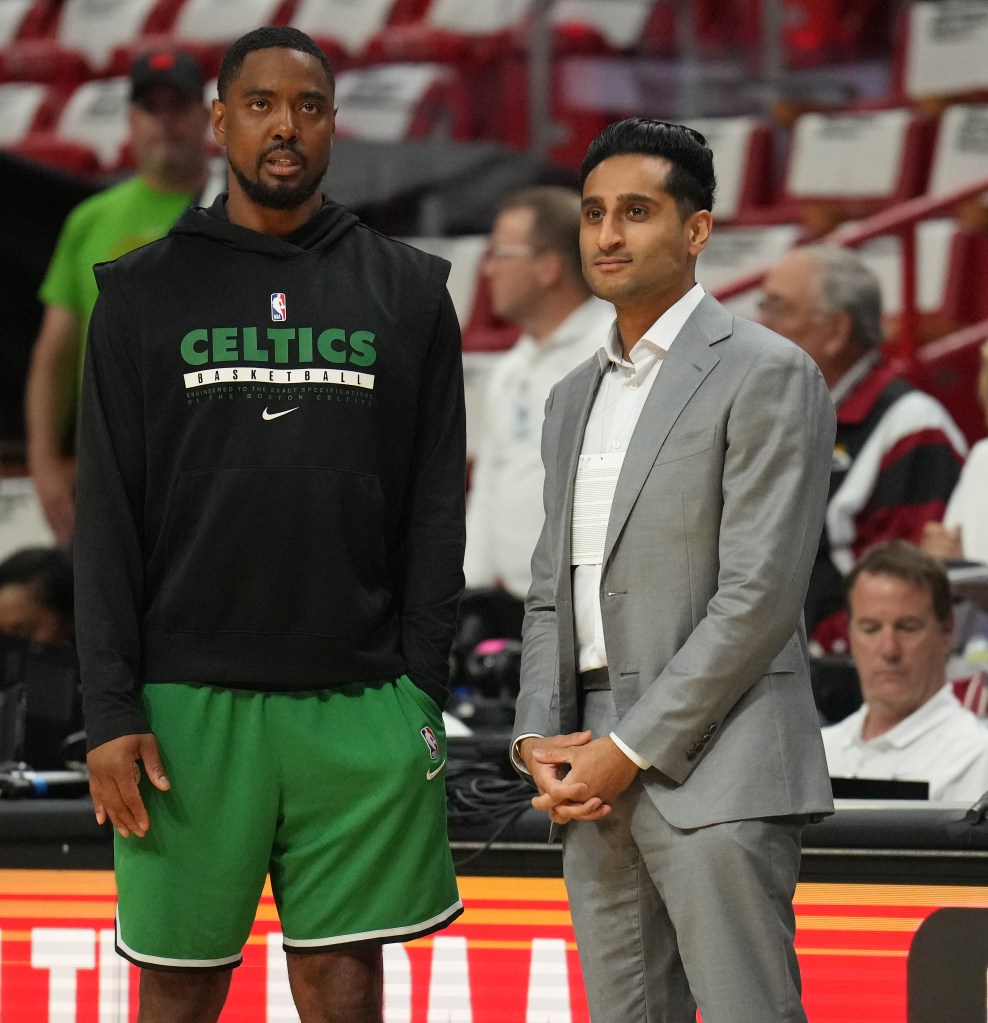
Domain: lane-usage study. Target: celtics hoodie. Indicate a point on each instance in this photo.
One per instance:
(271, 465)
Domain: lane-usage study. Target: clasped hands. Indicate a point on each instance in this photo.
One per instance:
(578, 776)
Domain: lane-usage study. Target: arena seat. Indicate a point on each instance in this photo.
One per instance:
(454, 30)
(482, 330)
(960, 154)
(940, 52)
(205, 28)
(25, 107)
(852, 164)
(95, 116)
(735, 251)
(82, 42)
(343, 28)
(46, 147)
(949, 256)
(13, 15)
(600, 26)
(742, 148)
(391, 102)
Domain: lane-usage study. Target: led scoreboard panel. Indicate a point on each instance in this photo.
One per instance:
(874, 944)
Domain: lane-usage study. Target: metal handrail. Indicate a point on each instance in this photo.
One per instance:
(900, 220)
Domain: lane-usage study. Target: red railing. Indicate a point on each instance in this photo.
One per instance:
(900, 220)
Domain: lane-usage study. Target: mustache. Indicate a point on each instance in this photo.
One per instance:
(287, 146)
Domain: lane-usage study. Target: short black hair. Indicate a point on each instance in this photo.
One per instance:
(281, 36)
(47, 572)
(690, 181)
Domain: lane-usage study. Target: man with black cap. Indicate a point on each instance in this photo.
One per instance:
(167, 120)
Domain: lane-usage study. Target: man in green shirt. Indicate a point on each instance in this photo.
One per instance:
(167, 121)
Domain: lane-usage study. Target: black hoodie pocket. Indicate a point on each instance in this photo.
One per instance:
(272, 550)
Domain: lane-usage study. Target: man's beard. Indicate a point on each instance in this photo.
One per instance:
(277, 197)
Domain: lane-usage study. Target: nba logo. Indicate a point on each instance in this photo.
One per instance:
(431, 741)
(279, 307)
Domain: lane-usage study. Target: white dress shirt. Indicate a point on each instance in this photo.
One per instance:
(940, 743)
(504, 507)
(610, 428)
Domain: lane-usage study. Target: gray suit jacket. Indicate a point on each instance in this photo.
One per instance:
(711, 537)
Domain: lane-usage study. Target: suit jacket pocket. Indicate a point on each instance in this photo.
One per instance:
(789, 658)
(693, 443)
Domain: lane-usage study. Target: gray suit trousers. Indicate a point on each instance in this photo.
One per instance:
(667, 919)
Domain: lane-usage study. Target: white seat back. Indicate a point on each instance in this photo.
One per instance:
(733, 252)
(884, 257)
(95, 27)
(475, 17)
(96, 116)
(19, 103)
(220, 21)
(12, 14)
(352, 23)
(378, 103)
(729, 138)
(946, 45)
(961, 154)
(848, 155)
(620, 22)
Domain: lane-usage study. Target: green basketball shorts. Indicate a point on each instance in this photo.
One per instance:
(337, 794)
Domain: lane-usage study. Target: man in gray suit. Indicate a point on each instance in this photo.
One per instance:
(686, 478)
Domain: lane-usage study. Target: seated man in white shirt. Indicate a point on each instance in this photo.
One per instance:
(910, 726)
(533, 268)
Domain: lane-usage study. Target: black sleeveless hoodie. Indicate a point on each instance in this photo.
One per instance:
(271, 465)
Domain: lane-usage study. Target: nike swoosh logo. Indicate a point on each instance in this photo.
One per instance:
(275, 415)
(429, 775)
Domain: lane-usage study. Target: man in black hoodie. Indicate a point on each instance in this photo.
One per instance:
(269, 552)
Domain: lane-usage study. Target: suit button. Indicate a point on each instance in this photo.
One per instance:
(712, 728)
(691, 755)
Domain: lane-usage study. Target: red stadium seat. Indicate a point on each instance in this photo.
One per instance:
(205, 28)
(600, 26)
(45, 147)
(742, 148)
(855, 163)
(455, 30)
(81, 41)
(26, 19)
(95, 116)
(940, 51)
(26, 108)
(391, 102)
(344, 30)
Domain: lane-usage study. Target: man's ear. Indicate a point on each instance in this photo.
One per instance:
(699, 227)
(840, 336)
(549, 268)
(218, 116)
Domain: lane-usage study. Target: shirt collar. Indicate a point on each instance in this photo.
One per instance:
(659, 338)
(912, 728)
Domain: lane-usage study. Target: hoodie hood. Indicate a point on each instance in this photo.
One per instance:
(322, 231)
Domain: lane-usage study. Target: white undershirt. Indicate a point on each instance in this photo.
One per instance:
(610, 428)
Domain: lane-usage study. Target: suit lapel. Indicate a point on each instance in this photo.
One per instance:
(688, 362)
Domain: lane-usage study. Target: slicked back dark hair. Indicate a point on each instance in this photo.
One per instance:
(278, 37)
(690, 181)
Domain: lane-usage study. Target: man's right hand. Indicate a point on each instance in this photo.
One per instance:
(113, 777)
(550, 778)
